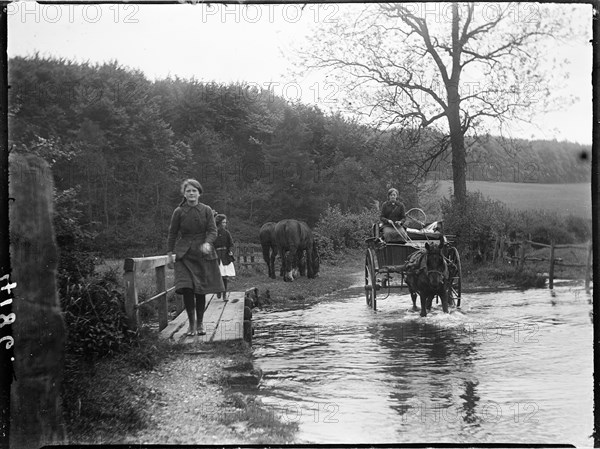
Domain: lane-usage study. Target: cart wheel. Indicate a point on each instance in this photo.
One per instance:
(370, 281)
(455, 275)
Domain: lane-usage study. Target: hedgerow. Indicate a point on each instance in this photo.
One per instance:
(339, 230)
(481, 220)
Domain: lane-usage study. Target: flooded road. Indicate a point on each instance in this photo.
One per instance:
(509, 366)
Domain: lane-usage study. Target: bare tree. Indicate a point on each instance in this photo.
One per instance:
(456, 68)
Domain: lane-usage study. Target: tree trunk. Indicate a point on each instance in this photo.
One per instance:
(459, 163)
(39, 332)
(457, 138)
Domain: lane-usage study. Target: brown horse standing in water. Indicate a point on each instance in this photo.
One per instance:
(292, 238)
(269, 248)
(429, 278)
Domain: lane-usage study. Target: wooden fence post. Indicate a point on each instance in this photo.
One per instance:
(521, 263)
(551, 271)
(33, 399)
(588, 269)
(161, 286)
(495, 253)
(131, 298)
(139, 265)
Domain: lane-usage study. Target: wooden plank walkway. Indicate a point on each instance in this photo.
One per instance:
(223, 321)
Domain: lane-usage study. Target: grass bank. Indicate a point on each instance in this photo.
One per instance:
(343, 272)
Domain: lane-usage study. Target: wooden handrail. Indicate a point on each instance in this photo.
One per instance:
(563, 246)
(246, 255)
(169, 290)
(132, 307)
(144, 263)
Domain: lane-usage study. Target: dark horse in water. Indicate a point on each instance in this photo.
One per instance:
(427, 276)
(269, 248)
(293, 237)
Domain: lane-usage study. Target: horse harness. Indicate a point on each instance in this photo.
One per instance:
(423, 267)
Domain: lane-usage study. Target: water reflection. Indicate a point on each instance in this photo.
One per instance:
(507, 368)
(471, 399)
(432, 366)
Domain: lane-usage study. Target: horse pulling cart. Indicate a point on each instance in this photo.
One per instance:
(387, 264)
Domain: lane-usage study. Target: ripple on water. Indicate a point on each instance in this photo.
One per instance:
(507, 366)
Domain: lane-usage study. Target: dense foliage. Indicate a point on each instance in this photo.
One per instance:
(478, 223)
(338, 230)
(97, 330)
(92, 304)
(95, 317)
(474, 224)
(124, 144)
(120, 145)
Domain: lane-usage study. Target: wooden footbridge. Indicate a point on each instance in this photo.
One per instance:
(224, 319)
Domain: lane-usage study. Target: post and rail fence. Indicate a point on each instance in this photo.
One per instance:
(503, 252)
(246, 256)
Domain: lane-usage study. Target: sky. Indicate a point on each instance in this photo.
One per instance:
(229, 43)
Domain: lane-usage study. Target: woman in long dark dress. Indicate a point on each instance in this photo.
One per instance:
(392, 218)
(196, 262)
(224, 247)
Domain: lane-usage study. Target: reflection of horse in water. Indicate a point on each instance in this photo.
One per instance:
(441, 363)
(269, 248)
(427, 276)
(293, 237)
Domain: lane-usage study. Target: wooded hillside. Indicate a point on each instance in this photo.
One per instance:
(121, 144)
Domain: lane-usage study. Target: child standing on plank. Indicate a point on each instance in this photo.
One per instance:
(224, 246)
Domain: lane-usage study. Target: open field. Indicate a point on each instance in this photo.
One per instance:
(575, 199)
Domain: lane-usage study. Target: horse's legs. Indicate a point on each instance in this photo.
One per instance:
(423, 304)
(266, 256)
(413, 296)
(296, 262)
(429, 302)
(310, 272)
(410, 283)
(283, 263)
(302, 263)
(273, 254)
(289, 264)
(444, 297)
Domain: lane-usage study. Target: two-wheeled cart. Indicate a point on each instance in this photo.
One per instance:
(386, 262)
